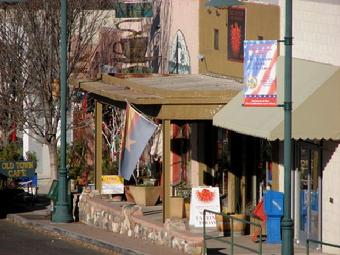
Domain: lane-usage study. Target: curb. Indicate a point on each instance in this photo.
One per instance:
(72, 235)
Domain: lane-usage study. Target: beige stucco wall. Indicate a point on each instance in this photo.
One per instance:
(331, 190)
(179, 15)
(261, 20)
(316, 30)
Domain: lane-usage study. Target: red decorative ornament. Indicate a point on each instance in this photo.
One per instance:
(205, 195)
(235, 40)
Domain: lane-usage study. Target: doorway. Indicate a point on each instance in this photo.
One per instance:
(309, 163)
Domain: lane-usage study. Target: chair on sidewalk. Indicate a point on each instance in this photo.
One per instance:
(29, 185)
(258, 213)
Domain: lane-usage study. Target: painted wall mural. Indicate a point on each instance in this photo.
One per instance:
(179, 59)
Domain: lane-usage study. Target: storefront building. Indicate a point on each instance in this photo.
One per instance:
(249, 165)
(315, 142)
(315, 102)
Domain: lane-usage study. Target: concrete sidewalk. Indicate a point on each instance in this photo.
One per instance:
(118, 244)
(121, 244)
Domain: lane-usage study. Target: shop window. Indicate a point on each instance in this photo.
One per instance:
(180, 148)
(133, 10)
(222, 159)
(216, 39)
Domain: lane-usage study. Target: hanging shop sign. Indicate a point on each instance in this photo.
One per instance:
(236, 33)
(260, 60)
(204, 198)
(17, 169)
(112, 184)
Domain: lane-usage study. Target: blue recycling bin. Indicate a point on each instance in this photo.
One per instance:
(273, 207)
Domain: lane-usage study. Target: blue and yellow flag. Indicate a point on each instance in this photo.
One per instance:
(138, 130)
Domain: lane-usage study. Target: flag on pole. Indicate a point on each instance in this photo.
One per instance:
(138, 130)
(260, 59)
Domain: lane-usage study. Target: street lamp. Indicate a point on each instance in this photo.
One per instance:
(287, 222)
(62, 213)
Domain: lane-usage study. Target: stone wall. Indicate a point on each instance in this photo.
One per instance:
(128, 220)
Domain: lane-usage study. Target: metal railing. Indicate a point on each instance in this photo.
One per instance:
(320, 243)
(232, 239)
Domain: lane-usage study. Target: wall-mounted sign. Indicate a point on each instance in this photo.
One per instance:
(112, 184)
(260, 59)
(236, 33)
(16, 169)
(204, 198)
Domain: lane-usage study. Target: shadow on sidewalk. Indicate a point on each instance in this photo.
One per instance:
(19, 201)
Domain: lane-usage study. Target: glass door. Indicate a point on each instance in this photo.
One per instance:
(309, 169)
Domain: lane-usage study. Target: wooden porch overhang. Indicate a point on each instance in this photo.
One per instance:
(170, 97)
(174, 97)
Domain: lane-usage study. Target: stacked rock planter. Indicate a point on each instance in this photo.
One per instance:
(128, 220)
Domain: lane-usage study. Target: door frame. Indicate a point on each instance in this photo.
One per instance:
(310, 146)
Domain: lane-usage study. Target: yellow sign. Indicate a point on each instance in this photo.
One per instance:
(112, 179)
(112, 184)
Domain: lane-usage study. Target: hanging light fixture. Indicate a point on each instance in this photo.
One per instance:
(222, 3)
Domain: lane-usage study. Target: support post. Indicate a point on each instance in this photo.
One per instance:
(62, 212)
(287, 247)
(166, 169)
(98, 145)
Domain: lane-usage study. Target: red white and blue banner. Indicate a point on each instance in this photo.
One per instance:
(260, 59)
(138, 131)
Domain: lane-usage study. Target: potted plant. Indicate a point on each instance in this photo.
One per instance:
(180, 202)
(225, 224)
(145, 194)
(239, 227)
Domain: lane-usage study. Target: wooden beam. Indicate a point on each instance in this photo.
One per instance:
(189, 112)
(98, 145)
(166, 169)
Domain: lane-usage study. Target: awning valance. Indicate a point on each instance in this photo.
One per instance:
(316, 106)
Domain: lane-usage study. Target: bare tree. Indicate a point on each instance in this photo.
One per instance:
(30, 63)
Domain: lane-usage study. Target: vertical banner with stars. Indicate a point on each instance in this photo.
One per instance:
(138, 130)
(260, 59)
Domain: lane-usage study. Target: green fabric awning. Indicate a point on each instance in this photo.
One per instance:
(316, 106)
(222, 3)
